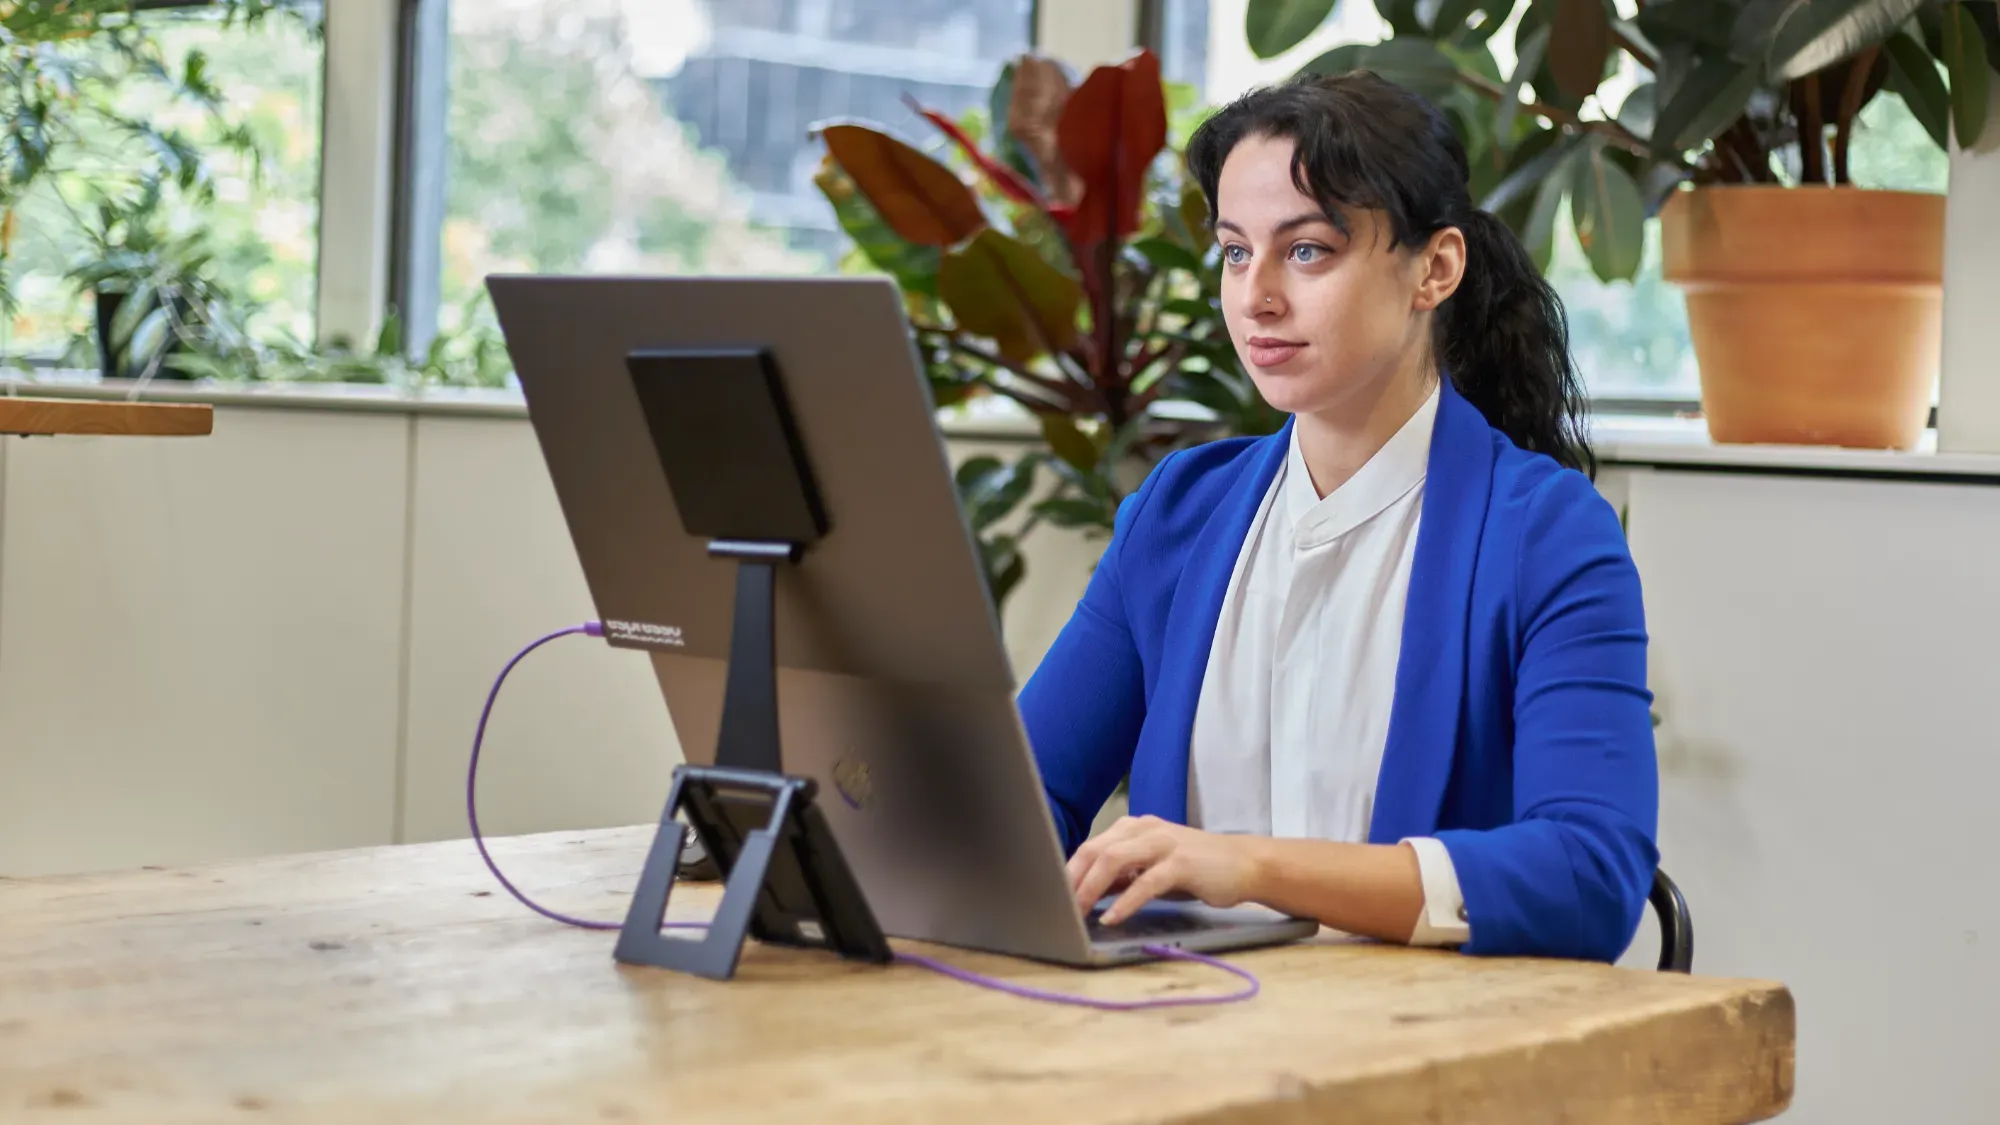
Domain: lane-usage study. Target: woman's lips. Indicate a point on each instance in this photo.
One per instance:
(1268, 351)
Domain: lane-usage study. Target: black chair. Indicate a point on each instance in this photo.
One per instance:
(1676, 927)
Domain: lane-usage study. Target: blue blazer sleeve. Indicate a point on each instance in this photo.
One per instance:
(1086, 700)
(1569, 877)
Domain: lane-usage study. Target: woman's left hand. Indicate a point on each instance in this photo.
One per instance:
(1148, 857)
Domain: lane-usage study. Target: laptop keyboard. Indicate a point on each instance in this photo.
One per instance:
(1145, 924)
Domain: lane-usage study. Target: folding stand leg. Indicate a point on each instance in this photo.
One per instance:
(641, 940)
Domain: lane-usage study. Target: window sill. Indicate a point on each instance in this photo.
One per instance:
(1684, 444)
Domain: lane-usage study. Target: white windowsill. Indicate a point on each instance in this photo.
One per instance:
(1620, 439)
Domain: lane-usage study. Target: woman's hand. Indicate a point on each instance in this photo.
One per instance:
(1148, 857)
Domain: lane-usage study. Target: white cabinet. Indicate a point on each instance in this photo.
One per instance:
(1826, 657)
(201, 641)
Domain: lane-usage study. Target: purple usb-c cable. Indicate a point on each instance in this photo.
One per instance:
(596, 629)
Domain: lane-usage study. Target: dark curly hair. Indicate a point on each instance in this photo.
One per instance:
(1363, 141)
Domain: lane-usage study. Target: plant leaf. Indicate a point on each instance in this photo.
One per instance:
(1534, 160)
(1402, 16)
(1452, 21)
(1530, 213)
(1418, 65)
(1965, 60)
(921, 200)
(1535, 15)
(140, 300)
(1609, 214)
(998, 287)
(1008, 182)
(1077, 511)
(1190, 308)
(1276, 26)
(1004, 566)
(1194, 213)
(1034, 109)
(1111, 129)
(913, 265)
(1987, 16)
(1539, 235)
(1476, 59)
(1070, 443)
(991, 494)
(1914, 77)
(1707, 101)
(148, 340)
(1337, 60)
(389, 341)
(1793, 38)
(1167, 255)
(1579, 43)
(1525, 65)
(999, 108)
(1702, 24)
(971, 469)
(1640, 109)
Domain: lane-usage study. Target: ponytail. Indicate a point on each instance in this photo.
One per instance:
(1362, 141)
(1503, 339)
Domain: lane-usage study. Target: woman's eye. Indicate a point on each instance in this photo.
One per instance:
(1235, 255)
(1305, 253)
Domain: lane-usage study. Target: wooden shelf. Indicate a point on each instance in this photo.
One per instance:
(45, 416)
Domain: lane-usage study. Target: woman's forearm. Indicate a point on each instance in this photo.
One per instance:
(1374, 890)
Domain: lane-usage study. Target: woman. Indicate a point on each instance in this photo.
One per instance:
(1386, 668)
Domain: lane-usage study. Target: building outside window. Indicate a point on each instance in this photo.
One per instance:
(672, 135)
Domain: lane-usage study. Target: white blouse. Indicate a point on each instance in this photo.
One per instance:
(1293, 716)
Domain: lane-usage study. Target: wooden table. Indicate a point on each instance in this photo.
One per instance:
(400, 985)
(45, 416)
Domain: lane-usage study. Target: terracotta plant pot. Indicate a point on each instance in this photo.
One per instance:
(1816, 311)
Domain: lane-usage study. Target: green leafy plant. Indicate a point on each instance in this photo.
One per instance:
(83, 86)
(167, 314)
(472, 356)
(1060, 261)
(138, 183)
(1733, 91)
(161, 308)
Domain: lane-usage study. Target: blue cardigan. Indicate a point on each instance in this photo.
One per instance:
(1521, 732)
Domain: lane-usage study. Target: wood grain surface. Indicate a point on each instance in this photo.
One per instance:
(47, 416)
(402, 985)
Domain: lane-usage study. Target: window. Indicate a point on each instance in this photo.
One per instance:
(672, 135)
(1178, 32)
(252, 232)
(1630, 339)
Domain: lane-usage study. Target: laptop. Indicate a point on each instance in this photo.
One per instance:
(895, 695)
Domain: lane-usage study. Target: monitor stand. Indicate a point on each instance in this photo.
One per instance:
(739, 478)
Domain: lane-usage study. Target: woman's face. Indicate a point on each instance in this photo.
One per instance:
(1320, 317)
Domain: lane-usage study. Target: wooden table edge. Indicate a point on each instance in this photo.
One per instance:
(49, 417)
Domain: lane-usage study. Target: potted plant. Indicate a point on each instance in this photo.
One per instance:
(160, 312)
(1061, 261)
(1813, 305)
